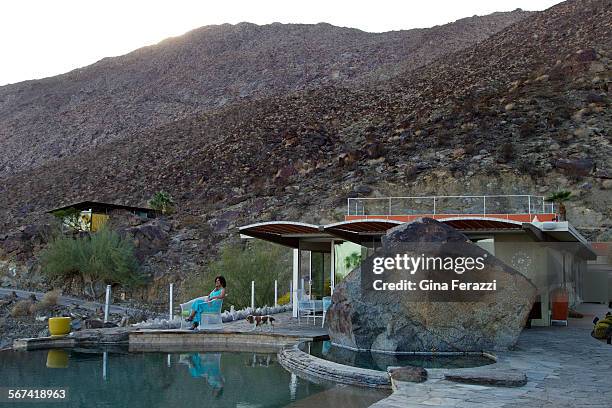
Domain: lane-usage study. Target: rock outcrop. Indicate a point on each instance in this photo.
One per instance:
(407, 321)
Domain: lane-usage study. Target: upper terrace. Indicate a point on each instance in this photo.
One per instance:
(520, 208)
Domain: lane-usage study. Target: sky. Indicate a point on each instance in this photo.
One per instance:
(41, 38)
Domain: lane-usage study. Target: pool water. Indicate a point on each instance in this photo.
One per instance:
(380, 361)
(204, 379)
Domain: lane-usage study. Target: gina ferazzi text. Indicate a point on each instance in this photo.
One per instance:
(430, 285)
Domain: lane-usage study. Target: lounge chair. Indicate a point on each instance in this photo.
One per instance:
(210, 320)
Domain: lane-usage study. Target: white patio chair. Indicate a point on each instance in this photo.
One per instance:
(209, 320)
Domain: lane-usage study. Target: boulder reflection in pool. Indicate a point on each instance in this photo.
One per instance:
(380, 361)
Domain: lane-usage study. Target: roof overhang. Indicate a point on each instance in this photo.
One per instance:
(288, 233)
(97, 206)
(361, 232)
(367, 231)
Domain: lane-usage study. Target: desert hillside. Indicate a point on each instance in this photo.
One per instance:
(206, 69)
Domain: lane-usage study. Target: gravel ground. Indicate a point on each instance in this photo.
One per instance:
(35, 325)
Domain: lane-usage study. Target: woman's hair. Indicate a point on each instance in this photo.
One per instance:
(222, 280)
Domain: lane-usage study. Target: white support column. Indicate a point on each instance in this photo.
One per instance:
(333, 268)
(310, 274)
(295, 280)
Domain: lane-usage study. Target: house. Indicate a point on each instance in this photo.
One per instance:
(91, 215)
(521, 230)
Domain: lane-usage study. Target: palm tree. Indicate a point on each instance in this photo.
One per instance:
(162, 201)
(560, 197)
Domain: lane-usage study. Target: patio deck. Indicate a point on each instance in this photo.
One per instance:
(239, 333)
(565, 367)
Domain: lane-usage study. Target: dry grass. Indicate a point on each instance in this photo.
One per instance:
(21, 308)
(49, 299)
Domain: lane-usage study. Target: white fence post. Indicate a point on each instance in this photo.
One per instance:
(275, 293)
(171, 300)
(107, 303)
(252, 294)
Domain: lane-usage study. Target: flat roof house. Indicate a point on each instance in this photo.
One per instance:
(521, 230)
(93, 214)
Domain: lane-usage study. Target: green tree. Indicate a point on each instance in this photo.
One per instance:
(352, 260)
(163, 202)
(560, 197)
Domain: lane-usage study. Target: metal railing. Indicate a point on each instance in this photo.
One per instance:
(439, 205)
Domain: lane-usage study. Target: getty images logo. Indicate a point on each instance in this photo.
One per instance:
(410, 264)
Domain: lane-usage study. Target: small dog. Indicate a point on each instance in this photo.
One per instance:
(259, 321)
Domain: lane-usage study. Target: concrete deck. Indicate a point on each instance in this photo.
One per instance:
(286, 331)
(565, 367)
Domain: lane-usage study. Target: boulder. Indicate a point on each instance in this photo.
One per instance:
(423, 321)
(407, 374)
(576, 167)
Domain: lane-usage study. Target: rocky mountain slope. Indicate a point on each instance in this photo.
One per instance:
(524, 111)
(205, 69)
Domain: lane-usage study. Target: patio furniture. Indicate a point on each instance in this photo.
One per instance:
(327, 301)
(210, 320)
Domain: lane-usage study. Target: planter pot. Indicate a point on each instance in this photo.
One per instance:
(59, 326)
(560, 304)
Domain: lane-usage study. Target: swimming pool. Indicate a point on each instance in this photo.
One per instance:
(135, 380)
(380, 361)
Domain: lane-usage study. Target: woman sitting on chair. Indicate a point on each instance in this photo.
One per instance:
(205, 306)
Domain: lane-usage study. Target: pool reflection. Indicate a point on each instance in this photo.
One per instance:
(113, 377)
(206, 366)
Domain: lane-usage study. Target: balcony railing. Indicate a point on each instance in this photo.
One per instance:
(451, 205)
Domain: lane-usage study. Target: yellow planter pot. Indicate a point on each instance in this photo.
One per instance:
(57, 359)
(59, 326)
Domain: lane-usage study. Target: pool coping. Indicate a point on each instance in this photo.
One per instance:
(320, 370)
(317, 369)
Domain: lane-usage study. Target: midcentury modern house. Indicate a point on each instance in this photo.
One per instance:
(521, 230)
(91, 215)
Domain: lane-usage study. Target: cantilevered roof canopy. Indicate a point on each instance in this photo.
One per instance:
(368, 231)
(288, 233)
(360, 231)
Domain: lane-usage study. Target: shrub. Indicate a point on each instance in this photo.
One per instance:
(102, 256)
(352, 261)
(162, 201)
(257, 261)
(283, 300)
(49, 299)
(21, 308)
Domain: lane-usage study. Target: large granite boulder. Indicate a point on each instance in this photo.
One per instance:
(430, 321)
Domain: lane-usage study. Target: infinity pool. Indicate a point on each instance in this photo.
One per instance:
(380, 361)
(135, 380)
